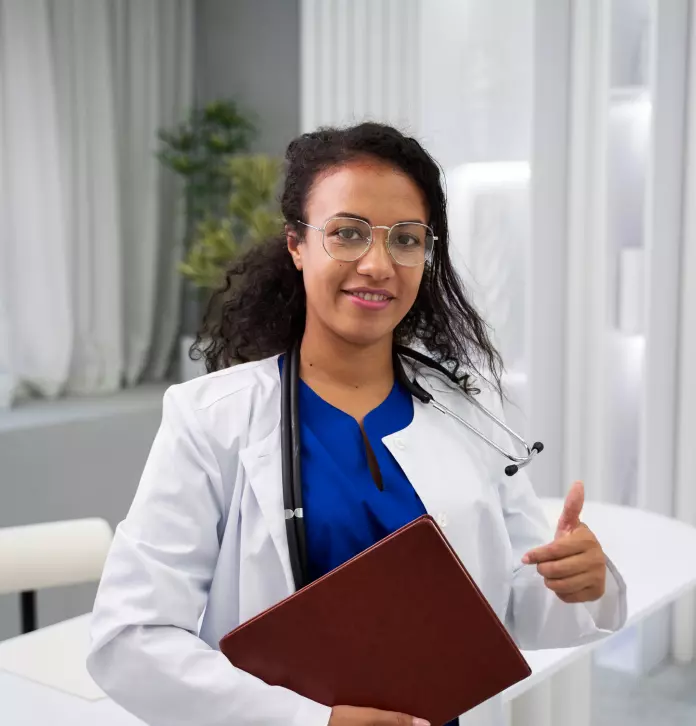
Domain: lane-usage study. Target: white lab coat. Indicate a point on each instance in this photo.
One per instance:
(204, 549)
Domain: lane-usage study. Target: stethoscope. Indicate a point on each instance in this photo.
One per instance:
(290, 442)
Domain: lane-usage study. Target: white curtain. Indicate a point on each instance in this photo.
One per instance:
(91, 225)
(37, 323)
(356, 63)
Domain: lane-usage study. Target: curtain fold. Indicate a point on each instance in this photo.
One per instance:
(84, 82)
(137, 111)
(35, 302)
(175, 99)
(348, 77)
(91, 223)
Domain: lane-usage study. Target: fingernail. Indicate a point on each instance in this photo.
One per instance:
(526, 560)
(420, 722)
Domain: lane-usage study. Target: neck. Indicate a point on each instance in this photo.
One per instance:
(326, 357)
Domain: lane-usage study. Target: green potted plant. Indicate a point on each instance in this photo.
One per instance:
(198, 151)
(252, 216)
(230, 203)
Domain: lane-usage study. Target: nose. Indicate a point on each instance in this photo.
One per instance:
(377, 262)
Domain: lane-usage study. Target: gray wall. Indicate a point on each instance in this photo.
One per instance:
(249, 50)
(67, 460)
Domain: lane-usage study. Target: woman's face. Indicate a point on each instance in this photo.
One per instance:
(336, 291)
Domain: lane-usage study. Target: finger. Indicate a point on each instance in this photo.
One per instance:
(570, 516)
(559, 549)
(571, 566)
(390, 718)
(401, 719)
(587, 595)
(571, 585)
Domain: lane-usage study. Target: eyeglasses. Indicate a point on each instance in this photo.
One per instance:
(347, 239)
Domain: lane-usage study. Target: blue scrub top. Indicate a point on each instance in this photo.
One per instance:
(344, 510)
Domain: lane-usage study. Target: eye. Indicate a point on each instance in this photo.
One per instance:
(350, 234)
(407, 240)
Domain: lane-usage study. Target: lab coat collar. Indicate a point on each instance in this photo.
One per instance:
(263, 463)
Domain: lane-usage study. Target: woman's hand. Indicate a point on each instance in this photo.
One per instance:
(349, 716)
(573, 565)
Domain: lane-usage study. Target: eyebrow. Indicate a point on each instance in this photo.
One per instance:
(365, 219)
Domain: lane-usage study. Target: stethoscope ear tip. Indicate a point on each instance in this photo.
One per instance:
(512, 469)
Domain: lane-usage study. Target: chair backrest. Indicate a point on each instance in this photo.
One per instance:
(36, 556)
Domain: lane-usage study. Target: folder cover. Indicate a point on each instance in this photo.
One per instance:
(400, 627)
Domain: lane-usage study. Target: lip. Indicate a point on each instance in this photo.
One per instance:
(369, 304)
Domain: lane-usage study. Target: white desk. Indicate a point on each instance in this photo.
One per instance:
(25, 703)
(641, 544)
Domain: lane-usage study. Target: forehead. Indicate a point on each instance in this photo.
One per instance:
(370, 189)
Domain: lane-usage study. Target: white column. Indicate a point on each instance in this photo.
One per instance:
(572, 694)
(585, 435)
(684, 623)
(569, 294)
(663, 229)
(360, 59)
(533, 707)
(564, 698)
(684, 629)
(663, 242)
(546, 272)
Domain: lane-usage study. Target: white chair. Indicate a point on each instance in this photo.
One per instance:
(37, 556)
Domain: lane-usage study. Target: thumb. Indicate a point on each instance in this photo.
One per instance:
(570, 516)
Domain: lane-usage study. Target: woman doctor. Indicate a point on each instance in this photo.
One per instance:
(363, 264)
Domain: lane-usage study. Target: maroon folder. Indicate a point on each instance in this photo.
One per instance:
(401, 627)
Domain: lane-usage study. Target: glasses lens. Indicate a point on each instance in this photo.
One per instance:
(346, 239)
(411, 244)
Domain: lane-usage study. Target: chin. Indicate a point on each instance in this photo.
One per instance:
(364, 335)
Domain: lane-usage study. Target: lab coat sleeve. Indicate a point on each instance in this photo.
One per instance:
(537, 617)
(145, 652)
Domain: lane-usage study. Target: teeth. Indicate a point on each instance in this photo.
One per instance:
(370, 296)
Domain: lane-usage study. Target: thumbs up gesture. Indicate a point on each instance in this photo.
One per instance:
(573, 565)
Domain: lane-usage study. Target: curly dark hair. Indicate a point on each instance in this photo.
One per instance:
(260, 309)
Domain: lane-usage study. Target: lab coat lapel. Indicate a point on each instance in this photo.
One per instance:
(262, 463)
(438, 456)
(424, 457)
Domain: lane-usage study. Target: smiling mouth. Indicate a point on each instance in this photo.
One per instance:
(369, 296)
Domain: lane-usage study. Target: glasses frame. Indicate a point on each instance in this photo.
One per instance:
(368, 247)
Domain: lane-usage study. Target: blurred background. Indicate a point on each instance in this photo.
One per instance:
(141, 146)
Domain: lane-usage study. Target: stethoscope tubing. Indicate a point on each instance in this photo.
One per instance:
(291, 443)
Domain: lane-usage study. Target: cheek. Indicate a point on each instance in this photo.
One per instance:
(410, 284)
(323, 281)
